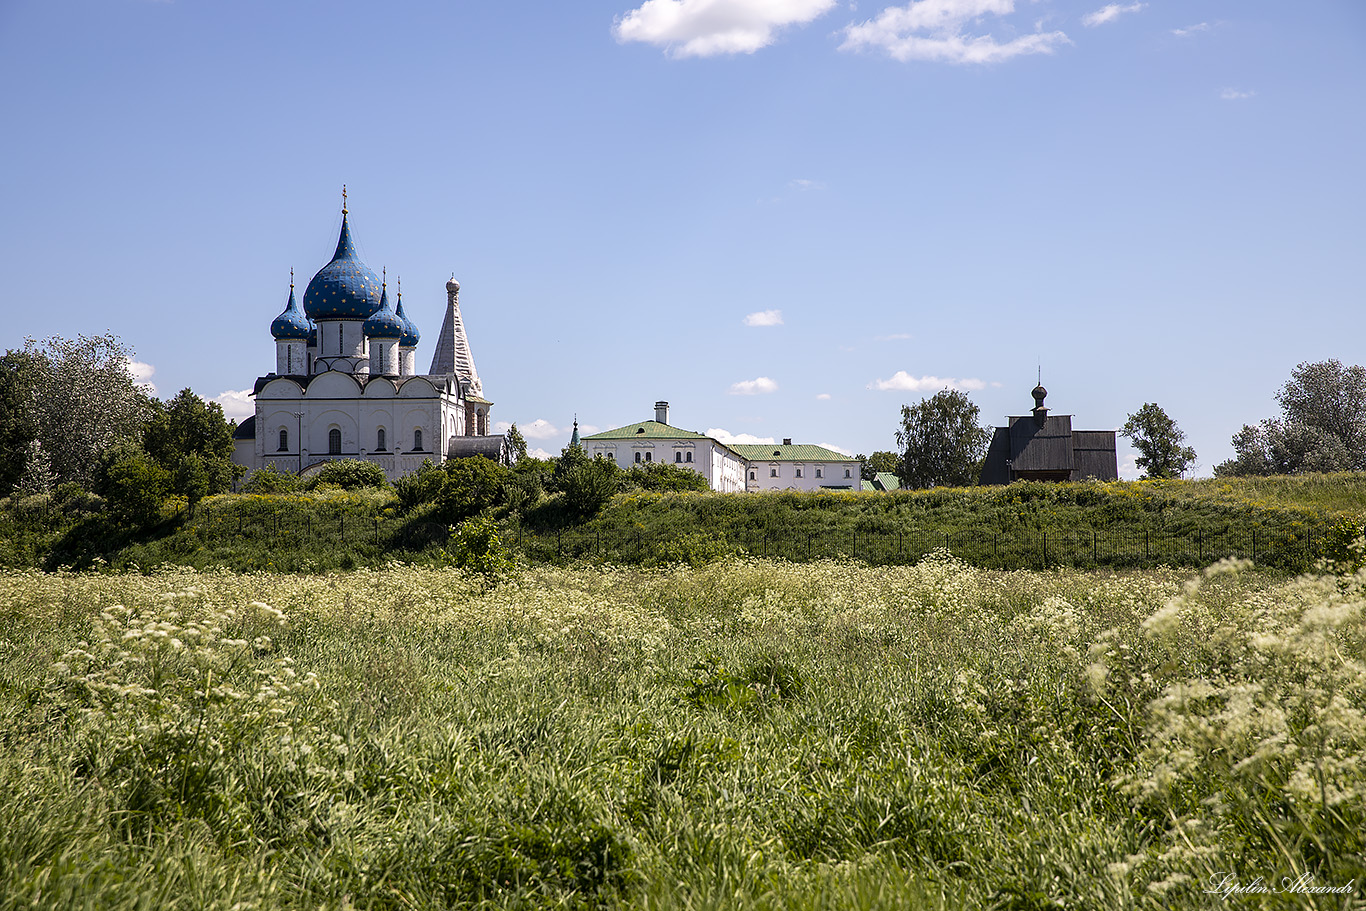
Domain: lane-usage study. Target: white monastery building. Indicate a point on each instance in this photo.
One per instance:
(345, 384)
(729, 468)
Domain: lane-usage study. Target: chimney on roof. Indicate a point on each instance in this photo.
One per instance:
(662, 412)
(787, 441)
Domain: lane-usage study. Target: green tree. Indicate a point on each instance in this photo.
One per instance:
(878, 462)
(135, 485)
(664, 476)
(187, 426)
(586, 484)
(18, 431)
(83, 402)
(942, 444)
(1322, 425)
(1158, 441)
(516, 445)
(471, 486)
(350, 474)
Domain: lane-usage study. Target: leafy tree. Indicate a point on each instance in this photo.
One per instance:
(941, 442)
(135, 485)
(880, 461)
(18, 432)
(1158, 441)
(585, 483)
(471, 486)
(185, 427)
(516, 444)
(83, 401)
(422, 486)
(1322, 425)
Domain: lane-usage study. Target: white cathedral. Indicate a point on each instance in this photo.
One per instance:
(346, 384)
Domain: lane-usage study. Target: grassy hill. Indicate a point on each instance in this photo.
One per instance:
(1285, 522)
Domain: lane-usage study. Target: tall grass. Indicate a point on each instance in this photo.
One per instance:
(743, 734)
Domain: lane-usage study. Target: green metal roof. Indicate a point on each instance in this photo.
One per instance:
(647, 430)
(769, 452)
(888, 481)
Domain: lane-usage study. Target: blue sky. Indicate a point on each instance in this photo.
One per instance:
(785, 217)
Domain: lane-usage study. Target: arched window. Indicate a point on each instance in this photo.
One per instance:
(754, 475)
(846, 473)
(284, 440)
(689, 458)
(647, 456)
(379, 439)
(819, 474)
(799, 472)
(334, 442)
(678, 456)
(637, 458)
(417, 440)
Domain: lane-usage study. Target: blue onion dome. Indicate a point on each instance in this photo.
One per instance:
(384, 322)
(292, 324)
(344, 288)
(410, 334)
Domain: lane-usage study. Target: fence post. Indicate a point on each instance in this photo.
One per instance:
(377, 531)
(808, 546)
(1200, 544)
(341, 519)
(898, 547)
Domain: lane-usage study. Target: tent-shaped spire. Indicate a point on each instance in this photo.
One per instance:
(452, 354)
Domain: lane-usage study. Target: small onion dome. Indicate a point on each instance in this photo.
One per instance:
(345, 288)
(292, 324)
(453, 285)
(1039, 394)
(410, 334)
(384, 322)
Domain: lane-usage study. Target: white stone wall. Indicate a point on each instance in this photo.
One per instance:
(780, 474)
(723, 469)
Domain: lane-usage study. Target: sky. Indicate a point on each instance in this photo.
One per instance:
(787, 218)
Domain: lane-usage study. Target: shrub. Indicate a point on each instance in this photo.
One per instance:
(350, 474)
(663, 476)
(135, 486)
(471, 486)
(269, 480)
(476, 547)
(421, 487)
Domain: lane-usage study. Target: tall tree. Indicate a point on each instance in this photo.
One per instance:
(516, 445)
(1322, 425)
(942, 443)
(879, 462)
(18, 432)
(1158, 441)
(187, 426)
(83, 401)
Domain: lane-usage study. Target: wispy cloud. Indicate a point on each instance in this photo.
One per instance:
(904, 382)
(840, 449)
(722, 435)
(237, 403)
(541, 429)
(1109, 13)
(753, 387)
(765, 318)
(823, 397)
(801, 183)
(894, 337)
(705, 28)
(937, 31)
(1236, 94)
(1191, 30)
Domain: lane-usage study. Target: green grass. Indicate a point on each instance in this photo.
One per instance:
(745, 734)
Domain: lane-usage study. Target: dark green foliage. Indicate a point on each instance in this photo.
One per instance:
(516, 444)
(17, 426)
(942, 443)
(880, 461)
(470, 487)
(190, 430)
(1158, 441)
(585, 484)
(421, 487)
(350, 474)
(664, 476)
(529, 480)
(135, 485)
(268, 480)
(477, 548)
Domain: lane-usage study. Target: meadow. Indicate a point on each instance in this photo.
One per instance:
(740, 734)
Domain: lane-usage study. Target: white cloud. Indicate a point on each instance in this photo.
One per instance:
(1190, 30)
(237, 403)
(765, 318)
(823, 397)
(802, 183)
(703, 28)
(1109, 13)
(753, 387)
(721, 435)
(539, 453)
(1235, 95)
(142, 376)
(934, 30)
(904, 382)
(840, 449)
(541, 429)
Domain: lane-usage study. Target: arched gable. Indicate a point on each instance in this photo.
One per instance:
(334, 385)
(280, 387)
(417, 387)
(380, 387)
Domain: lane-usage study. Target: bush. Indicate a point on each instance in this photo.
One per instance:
(421, 487)
(134, 487)
(587, 484)
(471, 486)
(476, 547)
(350, 474)
(666, 477)
(270, 480)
